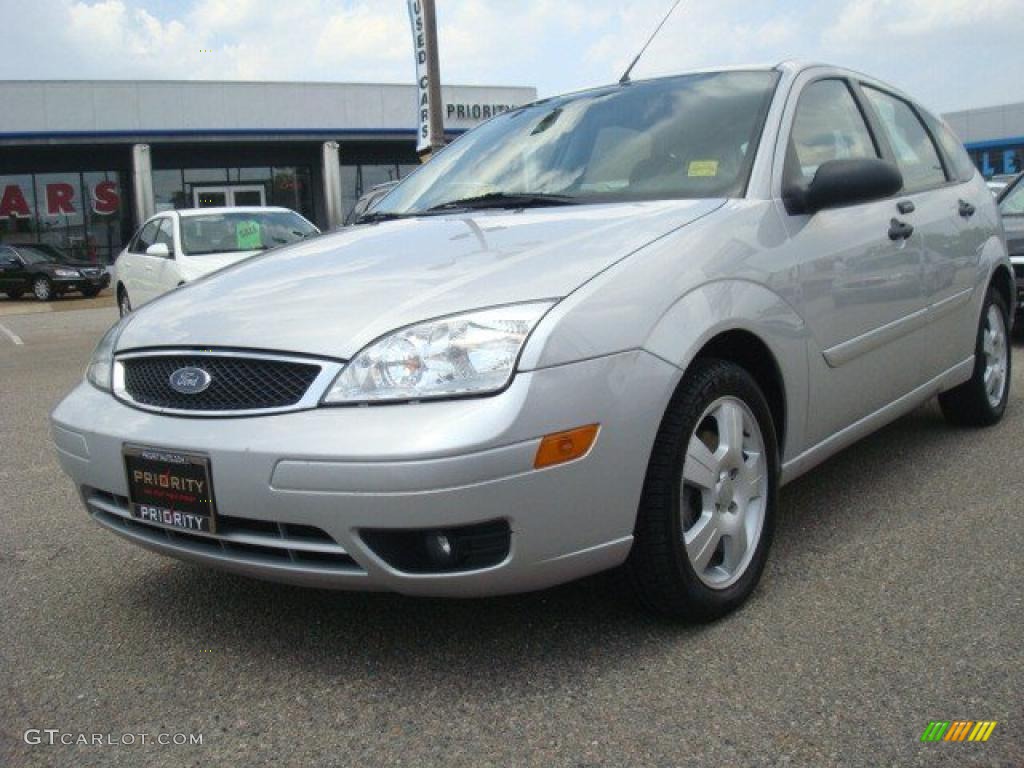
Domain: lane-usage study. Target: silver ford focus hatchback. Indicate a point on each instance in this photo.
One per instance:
(600, 330)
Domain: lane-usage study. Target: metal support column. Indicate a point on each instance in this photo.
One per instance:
(142, 178)
(332, 186)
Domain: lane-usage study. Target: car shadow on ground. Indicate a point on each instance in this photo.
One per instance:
(592, 621)
(27, 303)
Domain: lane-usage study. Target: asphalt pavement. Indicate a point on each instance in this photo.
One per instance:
(893, 597)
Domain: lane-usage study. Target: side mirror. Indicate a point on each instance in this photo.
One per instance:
(840, 183)
(159, 249)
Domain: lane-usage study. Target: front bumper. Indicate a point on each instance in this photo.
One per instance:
(347, 470)
(84, 283)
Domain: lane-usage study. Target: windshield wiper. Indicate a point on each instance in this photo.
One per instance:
(507, 200)
(372, 217)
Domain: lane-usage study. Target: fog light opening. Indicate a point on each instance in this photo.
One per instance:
(441, 550)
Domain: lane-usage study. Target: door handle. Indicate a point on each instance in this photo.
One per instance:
(900, 230)
(966, 209)
(906, 206)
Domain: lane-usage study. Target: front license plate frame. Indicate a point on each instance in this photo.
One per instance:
(170, 488)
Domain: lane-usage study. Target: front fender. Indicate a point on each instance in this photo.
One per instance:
(740, 305)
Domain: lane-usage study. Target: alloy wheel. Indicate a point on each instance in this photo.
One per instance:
(41, 289)
(724, 492)
(996, 351)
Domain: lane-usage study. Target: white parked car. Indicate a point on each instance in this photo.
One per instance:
(177, 247)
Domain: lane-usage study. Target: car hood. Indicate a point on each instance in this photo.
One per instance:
(194, 267)
(333, 295)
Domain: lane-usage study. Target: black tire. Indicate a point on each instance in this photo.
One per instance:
(969, 405)
(124, 304)
(42, 288)
(91, 293)
(15, 294)
(658, 566)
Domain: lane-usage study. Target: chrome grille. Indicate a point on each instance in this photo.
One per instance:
(238, 538)
(237, 382)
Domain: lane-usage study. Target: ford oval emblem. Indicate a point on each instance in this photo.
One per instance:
(190, 381)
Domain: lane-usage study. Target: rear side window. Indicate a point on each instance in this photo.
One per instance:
(963, 166)
(916, 155)
(828, 126)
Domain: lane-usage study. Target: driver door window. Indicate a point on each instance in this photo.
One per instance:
(858, 287)
(828, 126)
(165, 234)
(146, 236)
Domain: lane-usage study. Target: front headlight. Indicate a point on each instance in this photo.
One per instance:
(469, 354)
(100, 371)
(67, 273)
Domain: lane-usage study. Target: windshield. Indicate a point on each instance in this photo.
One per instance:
(1012, 203)
(683, 137)
(40, 254)
(242, 231)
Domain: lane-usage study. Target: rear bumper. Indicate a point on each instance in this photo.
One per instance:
(344, 471)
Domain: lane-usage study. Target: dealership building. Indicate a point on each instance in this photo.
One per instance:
(81, 162)
(994, 137)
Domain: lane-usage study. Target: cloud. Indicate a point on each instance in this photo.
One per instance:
(953, 53)
(870, 21)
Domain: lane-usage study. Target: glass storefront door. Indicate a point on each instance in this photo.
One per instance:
(218, 197)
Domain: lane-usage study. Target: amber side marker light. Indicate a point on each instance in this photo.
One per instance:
(565, 446)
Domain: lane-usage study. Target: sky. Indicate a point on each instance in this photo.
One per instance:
(950, 54)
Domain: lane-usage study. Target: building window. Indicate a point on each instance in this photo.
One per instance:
(289, 187)
(83, 215)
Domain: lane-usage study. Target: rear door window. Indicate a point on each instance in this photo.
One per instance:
(916, 155)
(963, 167)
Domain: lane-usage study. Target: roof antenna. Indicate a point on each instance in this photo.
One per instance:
(625, 75)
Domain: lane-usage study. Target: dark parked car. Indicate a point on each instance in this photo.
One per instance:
(44, 271)
(1011, 206)
(368, 200)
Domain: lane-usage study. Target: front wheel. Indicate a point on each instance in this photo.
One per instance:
(42, 289)
(707, 510)
(981, 401)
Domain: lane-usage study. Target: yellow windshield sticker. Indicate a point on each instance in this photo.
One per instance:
(247, 236)
(703, 168)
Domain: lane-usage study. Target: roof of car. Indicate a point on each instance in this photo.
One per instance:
(787, 67)
(231, 209)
